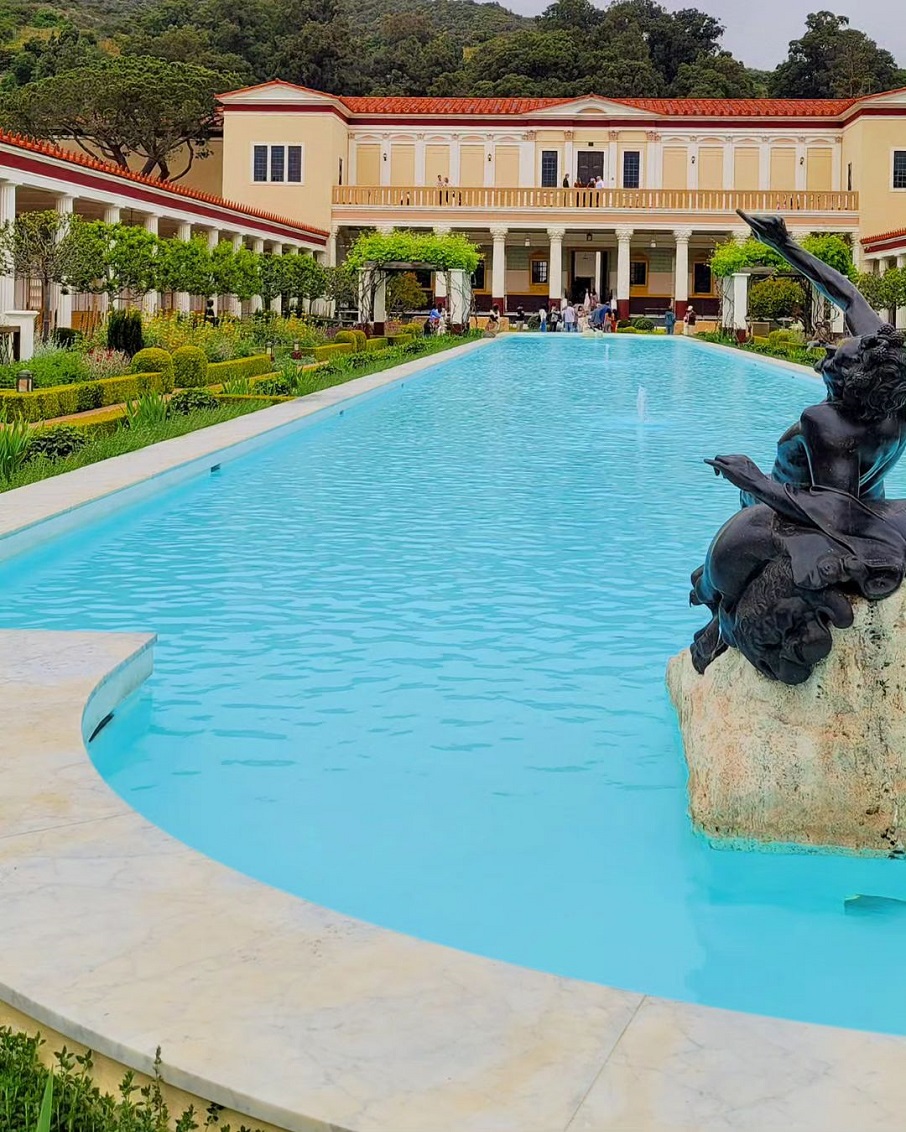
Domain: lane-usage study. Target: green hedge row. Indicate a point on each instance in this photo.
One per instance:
(238, 368)
(63, 400)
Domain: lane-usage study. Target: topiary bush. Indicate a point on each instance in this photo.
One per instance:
(152, 360)
(192, 400)
(190, 367)
(55, 443)
(643, 324)
(124, 332)
(775, 298)
(623, 323)
(347, 336)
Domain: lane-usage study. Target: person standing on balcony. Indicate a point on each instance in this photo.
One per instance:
(566, 183)
(669, 319)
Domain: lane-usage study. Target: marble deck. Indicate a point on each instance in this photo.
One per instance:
(123, 938)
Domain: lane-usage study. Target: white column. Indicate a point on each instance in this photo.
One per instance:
(498, 267)
(681, 274)
(385, 162)
(213, 241)
(455, 160)
(729, 165)
(598, 287)
(488, 163)
(419, 172)
(60, 302)
(624, 240)
(277, 300)
(858, 256)
(901, 311)
(258, 249)
(764, 165)
(151, 301)
(7, 216)
(693, 165)
(611, 173)
(801, 166)
(332, 246)
(555, 265)
(234, 300)
(654, 163)
(837, 166)
(440, 278)
(569, 158)
(112, 215)
(741, 304)
(183, 298)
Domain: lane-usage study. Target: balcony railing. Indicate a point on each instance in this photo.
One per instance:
(594, 200)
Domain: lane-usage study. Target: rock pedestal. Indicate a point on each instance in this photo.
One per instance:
(821, 765)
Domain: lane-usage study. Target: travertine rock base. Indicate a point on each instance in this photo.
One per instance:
(819, 765)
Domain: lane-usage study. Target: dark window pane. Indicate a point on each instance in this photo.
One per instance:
(899, 169)
(549, 177)
(638, 273)
(589, 166)
(259, 163)
(294, 163)
(478, 277)
(701, 279)
(539, 270)
(632, 169)
(278, 154)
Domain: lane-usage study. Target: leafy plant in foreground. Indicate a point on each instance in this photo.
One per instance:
(148, 410)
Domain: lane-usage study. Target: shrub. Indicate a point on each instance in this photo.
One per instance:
(361, 340)
(152, 360)
(645, 324)
(124, 332)
(272, 386)
(775, 298)
(106, 363)
(220, 372)
(378, 343)
(626, 330)
(786, 338)
(48, 368)
(56, 442)
(346, 336)
(14, 443)
(147, 411)
(65, 337)
(191, 400)
(623, 323)
(190, 367)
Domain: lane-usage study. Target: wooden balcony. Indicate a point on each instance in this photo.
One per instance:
(593, 201)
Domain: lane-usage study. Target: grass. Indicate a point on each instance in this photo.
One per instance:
(33, 1100)
(128, 440)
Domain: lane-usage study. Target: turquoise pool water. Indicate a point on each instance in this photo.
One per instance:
(411, 667)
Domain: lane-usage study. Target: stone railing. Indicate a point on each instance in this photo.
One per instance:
(604, 200)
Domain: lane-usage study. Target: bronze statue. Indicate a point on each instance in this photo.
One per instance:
(818, 530)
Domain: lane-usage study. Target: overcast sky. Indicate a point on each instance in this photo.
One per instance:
(758, 32)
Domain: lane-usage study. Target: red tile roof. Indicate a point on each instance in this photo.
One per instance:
(667, 107)
(47, 149)
(885, 237)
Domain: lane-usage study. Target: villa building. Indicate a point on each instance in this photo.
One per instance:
(673, 171)
(299, 170)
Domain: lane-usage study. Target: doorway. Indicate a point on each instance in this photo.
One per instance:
(589, 165)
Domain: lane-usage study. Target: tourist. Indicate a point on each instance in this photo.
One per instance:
(493, 324)
(689, 320)
(520, 317)
(608, 321)
(599, 317)
(582, 318)
(599, 182)
(554, 320)
(669, 319)
(542, 319)
(566, 183)
(569, 318)
(434, 319)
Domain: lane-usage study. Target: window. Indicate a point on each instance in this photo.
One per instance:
(549, 168)
(899, 169)
(632, 169)
(701, 278)
(277, 163)
(638, 273)
(539, 272)
(589, 166)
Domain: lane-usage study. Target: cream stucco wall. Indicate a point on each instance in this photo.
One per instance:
(324, 141)
(868, 144)
(205, 174)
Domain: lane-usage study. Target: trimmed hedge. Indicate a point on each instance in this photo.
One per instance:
(325, 353)
(190, 367)
(64, 400)
(240, 398)
(347, 336)
(378, 343)
(238, 368)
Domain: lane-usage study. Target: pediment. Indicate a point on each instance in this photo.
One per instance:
(593, 106)
(893, 98)
(276, 91)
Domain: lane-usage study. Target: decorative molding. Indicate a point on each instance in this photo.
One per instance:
(556, 233)
(614, 135)
(498, 232)
(682, 235)
(624, 235)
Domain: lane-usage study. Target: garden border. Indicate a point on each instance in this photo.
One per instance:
(122, 938)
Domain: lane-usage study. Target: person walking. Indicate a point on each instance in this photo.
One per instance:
(569, 318)
(669, 319)
(689, 320)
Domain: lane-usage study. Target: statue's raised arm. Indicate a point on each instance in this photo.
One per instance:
(860, 318)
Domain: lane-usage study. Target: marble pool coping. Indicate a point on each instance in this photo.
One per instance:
(123, 938)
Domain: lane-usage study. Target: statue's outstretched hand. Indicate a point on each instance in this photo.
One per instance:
(771, 230)
(738, 470)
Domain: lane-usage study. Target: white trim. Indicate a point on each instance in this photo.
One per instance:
(270, 146)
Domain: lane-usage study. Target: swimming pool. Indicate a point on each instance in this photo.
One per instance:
(411, 667)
